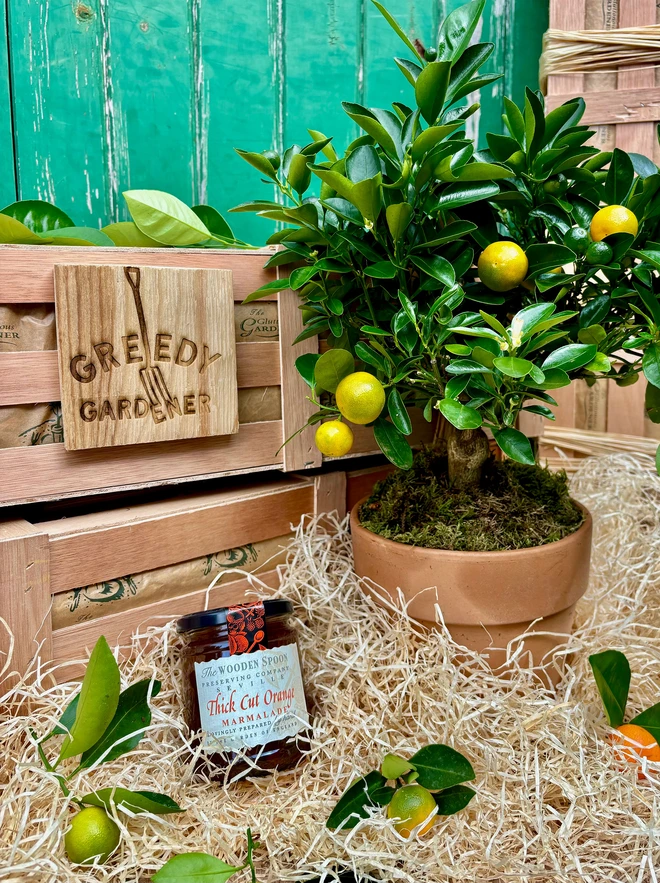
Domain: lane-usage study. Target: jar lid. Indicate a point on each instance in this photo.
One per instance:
(207, 618)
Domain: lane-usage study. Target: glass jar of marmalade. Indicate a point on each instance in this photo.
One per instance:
(243, 688)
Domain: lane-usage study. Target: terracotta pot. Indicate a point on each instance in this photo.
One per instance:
(487, 599)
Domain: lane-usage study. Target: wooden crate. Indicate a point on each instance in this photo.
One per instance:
(623, 108)
(45, 472)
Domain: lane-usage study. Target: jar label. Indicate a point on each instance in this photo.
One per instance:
(251, 699)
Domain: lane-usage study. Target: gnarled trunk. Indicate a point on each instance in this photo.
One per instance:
(467, 452)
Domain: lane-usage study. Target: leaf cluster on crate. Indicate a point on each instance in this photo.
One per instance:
(474, 282)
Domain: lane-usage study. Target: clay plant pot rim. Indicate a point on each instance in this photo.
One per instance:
(501, 553)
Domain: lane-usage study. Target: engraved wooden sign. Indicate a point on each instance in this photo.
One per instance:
(146, 354)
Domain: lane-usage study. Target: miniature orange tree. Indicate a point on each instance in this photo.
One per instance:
(474, 282)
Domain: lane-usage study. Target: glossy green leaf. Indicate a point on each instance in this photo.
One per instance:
(542, 256)
(440, 766)
(381, 270)
(13, 232)
(268, 289)
(299, 174)
(428, 139)
(650, 720)
(431, 88)
(436, 267)
(554, 378)
(457, 28)
(600, 364)
(126, 234)
(570, 357)
(612, 673)
(592, 334)
(370, 356)
(134, 801)
(515, 445)
(457, 195)
(86, 236)
(195, 867)
(513, 367)
(332, 367)
(459, 415)
(515, 121)
(301, 276)
(128, 725)
(652, 403)
(398, 412)
(355, 802)
(393, 443)
(453, 800)
(165, 218)
(466, 366)
(99, 696)
(67, 717)
(367, 121)
(259, 162)
(212, 218)
(37, 215)
(305, 366)
(394, 767)
(651, 364)
(619, 178)
(410, 69)
(398, 217)
(362, 163)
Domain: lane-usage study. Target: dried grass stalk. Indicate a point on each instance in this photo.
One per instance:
(598, 51)
(552, 804)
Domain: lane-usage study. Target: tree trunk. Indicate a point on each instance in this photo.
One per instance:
(467, 452)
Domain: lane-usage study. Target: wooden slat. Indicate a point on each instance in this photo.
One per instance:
(26, 271)
(638, 137)
(568, 15)
(24, 595)
(626, 107)
(49, 471)
(300, 452)
(330, 493)
(151, 536)
(74, 641)
(26, 378)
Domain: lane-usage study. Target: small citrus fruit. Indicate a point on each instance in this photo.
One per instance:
(556, 186)
(502, 266)
(613, 219)
(273, 158)
(360, 397)
(598, 253)
(411, 806)
(634, 742)
(577, 239)
(334, 438)
(92, 835)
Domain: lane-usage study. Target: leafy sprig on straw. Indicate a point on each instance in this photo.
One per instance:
(199, 867)
(612, 673)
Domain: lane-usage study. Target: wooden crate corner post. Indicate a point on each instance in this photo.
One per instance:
(24, 596)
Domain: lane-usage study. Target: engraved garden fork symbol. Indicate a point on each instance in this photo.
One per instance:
(151, 376)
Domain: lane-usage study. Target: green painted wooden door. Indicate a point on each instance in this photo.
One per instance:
(99, 96)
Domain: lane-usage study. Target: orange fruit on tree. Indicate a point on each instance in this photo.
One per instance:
(502, 266)
(613, 219)
(411, 806)
(360, 397)
(633, 742)
(334, 438)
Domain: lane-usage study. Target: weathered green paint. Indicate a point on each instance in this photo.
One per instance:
(110, 95)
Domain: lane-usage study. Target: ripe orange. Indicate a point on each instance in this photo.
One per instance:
(613, 219)
(502, 266)
(634, 742)
(411, 806)
(360, 397)
(334, 438)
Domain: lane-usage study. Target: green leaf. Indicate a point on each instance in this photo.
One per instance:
(126, 234)
(396, 28)
(619, 179)
(367, 197)
(345, 209)
(651, 364)
(513, 367)
(543, 256)
(409, 69)
(299, 174)
(479, 171)
(464, 68)
(466, 366)
(195, 867)
(393, 443)
(515, 445)
(165, 218)
(457, 28)
(13, 232)
(515, 121)
(362, 163)
(394, 767)
(99, 696)
(652, 403)
(212, 218)
(301, 276)
(436, 267)
(453, 800)
(67, 717)
(37, 215)
(460, 416)
(134, 801)
(440, 766)
(612, 673)
(450, 233)
(332, 367)
(354, 803)
(398, 216)
(431, 88)
(267, 289)
(600, 364)
(131, 719)
(89, 236)
(456, 195)
(534, 123)
(399, 414)
(370, 356)
(593, 334)
(305, 366)
(427, 139)
(650, 720)
(555, 378)
(571, 356)
(259, 162)
(381, 270)
(367, 121)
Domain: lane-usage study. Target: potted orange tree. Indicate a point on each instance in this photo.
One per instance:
(471, 283)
